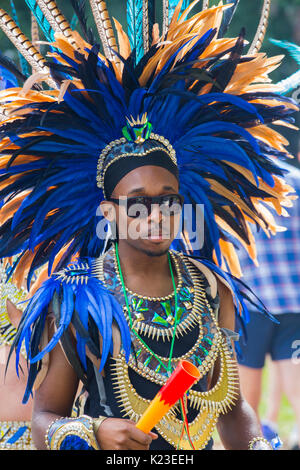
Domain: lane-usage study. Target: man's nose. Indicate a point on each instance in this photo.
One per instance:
(156, 214)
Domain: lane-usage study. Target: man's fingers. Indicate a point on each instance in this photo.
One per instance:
(140, 437)
(123, 434)
(151, 434)
(134, 445)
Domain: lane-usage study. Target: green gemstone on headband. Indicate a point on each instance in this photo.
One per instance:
(137, 133)
(149, 130)
(126, 134)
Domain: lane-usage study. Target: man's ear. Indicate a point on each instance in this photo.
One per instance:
(108, 210)
(14, 314)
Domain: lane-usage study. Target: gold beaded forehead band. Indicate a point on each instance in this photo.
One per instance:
(138, 141)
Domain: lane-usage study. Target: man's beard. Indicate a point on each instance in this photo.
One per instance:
(154, 253)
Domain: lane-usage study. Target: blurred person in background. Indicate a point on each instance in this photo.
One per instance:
(276, 281)
(15, 417)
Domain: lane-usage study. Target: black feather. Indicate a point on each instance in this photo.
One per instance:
(80, 11)
(227, 17)
(8, 64)
(21, 150)
(224, 73)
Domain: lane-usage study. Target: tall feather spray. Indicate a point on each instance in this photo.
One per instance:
(172, 5)
(41, 19)
(262, 28)
(23, 62)
(24, 46)
(55, 18)
(148, 24)
(135, 27)
(106, 33)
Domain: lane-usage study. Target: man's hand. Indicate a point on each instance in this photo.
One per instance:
(122, 434)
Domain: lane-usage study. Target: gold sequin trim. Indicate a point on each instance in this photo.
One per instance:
(167, 148)
(8, 429)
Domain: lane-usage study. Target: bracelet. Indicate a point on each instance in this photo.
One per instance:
(259, 439)
(73, 433)
(97, 422)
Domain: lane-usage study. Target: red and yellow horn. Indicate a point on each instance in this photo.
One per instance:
(183, 377)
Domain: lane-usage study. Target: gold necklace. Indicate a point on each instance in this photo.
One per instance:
(151, 330)
(98, 270)
(194, 318)
(160, 379)
(208, 360)
(210, 404)
(146, 297)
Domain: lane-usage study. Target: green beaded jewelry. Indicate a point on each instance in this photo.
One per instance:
(169, 368)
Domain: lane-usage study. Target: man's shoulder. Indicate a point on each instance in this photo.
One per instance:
(204, 273)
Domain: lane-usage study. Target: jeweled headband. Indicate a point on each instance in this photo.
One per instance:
(137, 142)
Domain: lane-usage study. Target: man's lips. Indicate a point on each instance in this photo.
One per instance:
(158, 236)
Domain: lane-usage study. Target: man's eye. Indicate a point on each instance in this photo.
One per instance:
(139, 200)
(166, 202)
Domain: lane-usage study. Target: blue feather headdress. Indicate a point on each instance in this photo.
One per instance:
(223, 145)
(200, 92)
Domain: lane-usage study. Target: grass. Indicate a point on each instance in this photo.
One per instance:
(286, 418)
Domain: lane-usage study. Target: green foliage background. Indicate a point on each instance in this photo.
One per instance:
(284, 24)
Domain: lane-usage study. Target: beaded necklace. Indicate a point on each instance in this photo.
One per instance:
(169, 367)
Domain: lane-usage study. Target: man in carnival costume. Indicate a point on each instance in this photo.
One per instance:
(154, 120)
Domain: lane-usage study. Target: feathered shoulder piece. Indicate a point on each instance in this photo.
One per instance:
(82, 307)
